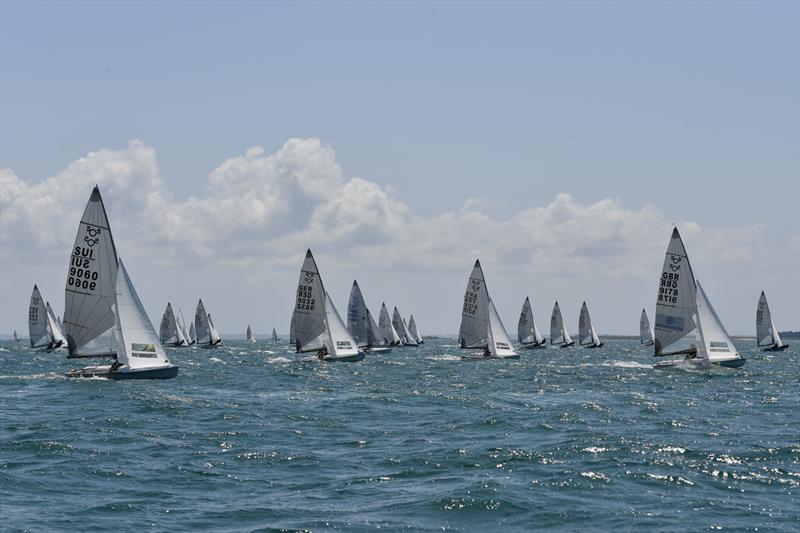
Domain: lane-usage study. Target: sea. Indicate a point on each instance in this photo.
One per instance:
(253, 437)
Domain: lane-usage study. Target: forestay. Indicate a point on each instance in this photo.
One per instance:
(475, 311)
(309, 311)
(137, 344)
(91, 278)
(676, 301)
(37, 320)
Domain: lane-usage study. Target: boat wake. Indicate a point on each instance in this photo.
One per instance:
(444, 357)
(279, 359)
(46, 375)
(626, 364)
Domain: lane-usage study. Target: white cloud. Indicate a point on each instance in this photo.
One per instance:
(266, 209)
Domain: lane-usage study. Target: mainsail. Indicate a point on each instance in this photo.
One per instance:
(412, 329)
(645, 331)
(587, 336)
(527, 330)
(766, 333)
(201, 325)
(558, 333)
(137, 344)
(91, 278)
(357, 319)
(475, 311)
(388, 332)
(274, 335)
(402, 330)
(37, 320)
(676, 302)
(190, 335)
(309, 312)
(498, 343)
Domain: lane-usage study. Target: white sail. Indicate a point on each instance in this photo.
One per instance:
(214, 334)
(309, 311)
(497, 337)
(645, 331)
(339, 343)
(766, 333)
(388, 332)
(37, 320)
(375, 336)
(16, 337)
(412, 339)
(169, 330)
(558, 334)
(400, 325)
(187, 333)
(91, 280)
(57, 338)
(201, 326)
(475, 311)
(274, 335)
(715, 339)
(676, 301)
(357, 320)
(527, 330)
(412, 329)
(587, 335)
(191, 338)
(137, 344)
(250, 337)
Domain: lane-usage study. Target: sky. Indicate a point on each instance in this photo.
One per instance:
(557, 142)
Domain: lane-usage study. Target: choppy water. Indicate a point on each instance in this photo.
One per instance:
(250, 437)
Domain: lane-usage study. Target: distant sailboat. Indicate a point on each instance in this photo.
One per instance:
(387, 329)
(250, 337)
(37, 320)
(361, 325)
(318, 326)
(587, 336)
(16, 337)
(646, 337)
(400, 326)
(767, 335)
(191, 337)
(274, 335)
(481, 326)
(682, 308)
(57, 339)
(528, 333)
(170, 331)
(91, 280)
(207, 336)
(558, 333)
(140, 354)
(188, 333)
(412, 329)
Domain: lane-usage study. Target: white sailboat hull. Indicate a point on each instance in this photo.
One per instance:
(104, 371)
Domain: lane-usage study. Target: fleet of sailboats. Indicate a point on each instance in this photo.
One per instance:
(103, 317)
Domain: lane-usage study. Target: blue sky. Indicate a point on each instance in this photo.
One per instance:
(691, 108)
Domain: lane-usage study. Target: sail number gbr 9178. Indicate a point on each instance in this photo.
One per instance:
(81, 275)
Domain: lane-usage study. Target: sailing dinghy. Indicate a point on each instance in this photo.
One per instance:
(16, 337)
(37, 320)
(646, 337)
(558, 333)
(361, 325)
(412, 329)
(481, 326)
(401, 327)
(207, 336)
(250, 337)
(57, 339)
(90, 290)
(274, 335)
(170, 331)
(140, 355)
(767, 335)
(684, 315)
(587, 336)
(528, 333)
(318, 326)
(387, 329)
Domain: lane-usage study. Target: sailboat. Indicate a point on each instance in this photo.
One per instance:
(387, 329)
(170, 331)
(682, 308)
(90, 290)
(250, 337)
(318, 326)
(767, 335)
(481, 326)
(191, 336)
(16, 337)
(402, 329)
(412, 329)
(204, 327)
(528, 333)
(37, 320)
(361, 325)
(558, 333)
(57, 339)
(587, 336)
(646, 337)
(274, 335)
(139, 353)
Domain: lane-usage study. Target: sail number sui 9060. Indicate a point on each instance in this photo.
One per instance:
(81, 275)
